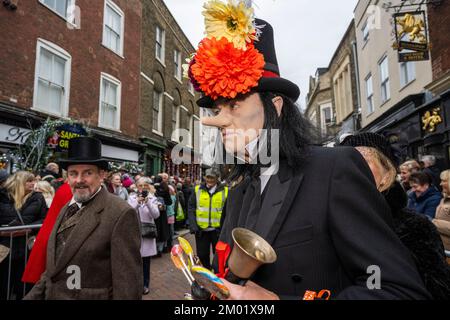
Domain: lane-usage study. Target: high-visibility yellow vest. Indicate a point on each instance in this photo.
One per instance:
(209, 208)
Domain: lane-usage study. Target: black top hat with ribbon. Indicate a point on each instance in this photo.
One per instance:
(237, 56)
(85, 150)
(271, 79)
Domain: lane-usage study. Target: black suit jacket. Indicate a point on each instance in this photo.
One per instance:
(327, 223)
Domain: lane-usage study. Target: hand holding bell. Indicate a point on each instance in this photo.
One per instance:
(250, 251)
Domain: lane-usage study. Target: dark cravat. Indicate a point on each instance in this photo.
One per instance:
(64, 230)
(71, 210)
(255, 206)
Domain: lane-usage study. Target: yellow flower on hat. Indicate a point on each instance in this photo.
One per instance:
(232, 20)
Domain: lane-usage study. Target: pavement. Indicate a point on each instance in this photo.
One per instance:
(167, 282)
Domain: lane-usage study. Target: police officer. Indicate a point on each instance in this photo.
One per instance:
(205, 212)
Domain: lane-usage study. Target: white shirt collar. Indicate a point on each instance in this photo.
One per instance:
(266, 173)
(213, 189)
(79, 204)
(252, 149)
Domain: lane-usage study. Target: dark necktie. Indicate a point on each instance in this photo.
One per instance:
(73, 208)
(255, 206)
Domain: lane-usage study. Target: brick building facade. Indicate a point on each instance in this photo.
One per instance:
(344, 88)
(168, 102)
(319, 107)
(82, 64)
(438, 21)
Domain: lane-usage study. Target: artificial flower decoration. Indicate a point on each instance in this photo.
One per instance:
(226, 63)
(222, 70)
(232, 20)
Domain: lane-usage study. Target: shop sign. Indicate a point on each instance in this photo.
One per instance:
(411, 36)
(12, 134)
(431, 119)
(63, 134)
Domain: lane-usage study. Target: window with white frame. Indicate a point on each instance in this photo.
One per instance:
(160, 41)
(384, 77)
(52, 79)
(195, 132)
(191, 87)
(313, 118)
(407, 69)
(113, 27)
(110, 96)
(63, 8)
(407, 73)
(176, 119)
(365, 31)
(177, 64)
(369, 94)
(157, 111)
(325, 116)
(191, 130)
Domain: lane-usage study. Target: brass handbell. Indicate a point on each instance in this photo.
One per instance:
(250, 251)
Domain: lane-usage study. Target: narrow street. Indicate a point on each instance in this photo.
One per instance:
(166, 282)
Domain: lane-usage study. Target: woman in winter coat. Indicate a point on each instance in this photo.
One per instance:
(415, 231)
(47, 191)
(30, 204)
(117, 187)
(442, 220)
(38, 256)
(180, 213)
(171, 217)
(146, 205)
(425, 197)
(7, 214)
(22, 206)
(406, 169)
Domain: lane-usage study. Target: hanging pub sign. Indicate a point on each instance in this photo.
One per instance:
(413, 56)
(63, 134)
(411, 36)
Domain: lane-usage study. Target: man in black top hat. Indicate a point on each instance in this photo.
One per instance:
(317, 207)
(93, 250)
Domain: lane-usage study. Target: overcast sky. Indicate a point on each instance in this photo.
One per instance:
(307, 32)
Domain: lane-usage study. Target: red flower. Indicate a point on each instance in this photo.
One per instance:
(221, 70)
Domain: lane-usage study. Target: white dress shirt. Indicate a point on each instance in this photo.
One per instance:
(266, 173)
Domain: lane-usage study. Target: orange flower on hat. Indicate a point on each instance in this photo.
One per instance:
(222, 70)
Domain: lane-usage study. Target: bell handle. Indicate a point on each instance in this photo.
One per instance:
(231, 277)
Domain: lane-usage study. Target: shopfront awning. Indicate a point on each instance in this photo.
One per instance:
(112, 152)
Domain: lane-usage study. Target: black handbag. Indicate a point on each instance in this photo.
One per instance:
(148, 230)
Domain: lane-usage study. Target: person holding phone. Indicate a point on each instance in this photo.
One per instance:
(146, 205)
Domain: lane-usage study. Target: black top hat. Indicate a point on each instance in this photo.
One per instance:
(271, 80)
(85, 150)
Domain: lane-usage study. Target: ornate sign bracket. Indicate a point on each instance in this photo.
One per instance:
(410, 5)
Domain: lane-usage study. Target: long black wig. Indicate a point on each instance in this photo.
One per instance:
(296, 135)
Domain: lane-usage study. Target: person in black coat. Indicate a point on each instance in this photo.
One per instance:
(432, 170)
(180, 204)
(317, 207)
(422, 238)
(7, 215)
(415, 230)
(50, 172)
(188, 190)
(163, 194)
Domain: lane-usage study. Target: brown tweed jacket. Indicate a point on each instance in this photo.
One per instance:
(104, 246)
